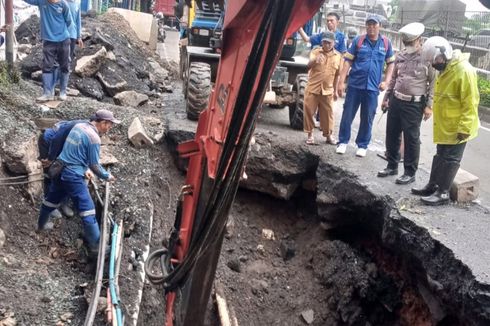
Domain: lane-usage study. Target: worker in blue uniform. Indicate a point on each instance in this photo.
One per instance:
(50, 145)
(55, 19)
(316, 39)
(364, 61)
(79, 159)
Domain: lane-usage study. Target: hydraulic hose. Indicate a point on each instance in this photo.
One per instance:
(112, 284)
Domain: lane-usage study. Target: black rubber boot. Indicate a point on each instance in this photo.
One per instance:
(432, 186)
(446, 176)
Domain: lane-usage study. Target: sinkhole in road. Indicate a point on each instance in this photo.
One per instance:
(283, 265)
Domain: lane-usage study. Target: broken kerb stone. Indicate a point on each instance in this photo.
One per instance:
(2, 238)
(130, 98)
(89, 65)
(465, 187)
(137, 135)
(308, 316)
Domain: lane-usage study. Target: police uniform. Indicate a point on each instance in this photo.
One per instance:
(409, 92)
(320, 89)
(368, 59)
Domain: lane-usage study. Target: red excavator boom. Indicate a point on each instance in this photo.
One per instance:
(253, 35)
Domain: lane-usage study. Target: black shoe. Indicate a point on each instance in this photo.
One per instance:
(386, 172)
(436, 199)
(405, 179)
(427, 190)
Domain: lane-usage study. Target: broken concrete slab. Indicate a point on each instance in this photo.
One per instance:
(465, 187)
(2, 238)
(137, 134)
(154, 128)
(88, 66)
(20, 157)
(130, 98)
(308, 316)
(143, 24)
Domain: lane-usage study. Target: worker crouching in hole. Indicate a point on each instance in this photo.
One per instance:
(320, 92)
(78, 160)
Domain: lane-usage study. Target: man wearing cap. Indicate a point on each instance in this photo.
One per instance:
(320, 91)
(409, 99)
(80, 158)
(364, 61)
(332, 22)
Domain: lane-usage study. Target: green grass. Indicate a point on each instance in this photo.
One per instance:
(7, 78)
(484, 87)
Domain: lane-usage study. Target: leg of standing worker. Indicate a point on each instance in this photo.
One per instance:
(393, 133)
(351, 105)
(49, 57)
(64, 61)
(369, 104)
(325, 111)
(310, 106)
(411, 118)
(73, 43)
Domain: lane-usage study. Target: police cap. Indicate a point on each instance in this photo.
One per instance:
(412, 31)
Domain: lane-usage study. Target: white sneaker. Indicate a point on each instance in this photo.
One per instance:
(44, 98)
(361, 152)
(341, 148)
(62, 97)
(317, 123)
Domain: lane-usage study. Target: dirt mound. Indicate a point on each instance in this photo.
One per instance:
(127, 60)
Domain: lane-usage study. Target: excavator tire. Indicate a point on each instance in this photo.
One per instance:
(198, 89)
(296, 109)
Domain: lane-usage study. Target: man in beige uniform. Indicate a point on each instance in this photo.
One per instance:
(320, 91)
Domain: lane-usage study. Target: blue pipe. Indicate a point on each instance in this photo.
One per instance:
(112, 285)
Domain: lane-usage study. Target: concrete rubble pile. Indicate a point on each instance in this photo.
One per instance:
(114, 65)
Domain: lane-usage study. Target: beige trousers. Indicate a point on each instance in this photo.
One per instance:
(324, 104)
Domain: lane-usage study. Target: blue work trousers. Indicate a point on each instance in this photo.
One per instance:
(71, 185)
(368, 100)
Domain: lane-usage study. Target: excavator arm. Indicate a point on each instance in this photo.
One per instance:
(253, 35)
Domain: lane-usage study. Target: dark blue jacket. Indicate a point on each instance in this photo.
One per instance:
(55, 137)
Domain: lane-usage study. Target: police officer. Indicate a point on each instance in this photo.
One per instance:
(364, 61)
(409, 99)
(456, 100)
(79, 156)
(320, 91)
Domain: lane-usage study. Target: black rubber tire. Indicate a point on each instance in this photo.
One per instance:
(198, 89)
(296, 109)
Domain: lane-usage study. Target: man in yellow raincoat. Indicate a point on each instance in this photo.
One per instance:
(455, 108)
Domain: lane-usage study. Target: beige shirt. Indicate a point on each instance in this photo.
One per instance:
(322, 75)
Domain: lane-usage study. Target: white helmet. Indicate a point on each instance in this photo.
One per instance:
(435, 46)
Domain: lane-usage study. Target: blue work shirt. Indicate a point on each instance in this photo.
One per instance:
(55, 19)
(76, 16)
(81, 151)
(55, 137)
(368, 62)
(316, 40)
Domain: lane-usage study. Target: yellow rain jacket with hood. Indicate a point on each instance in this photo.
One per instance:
(456, 100)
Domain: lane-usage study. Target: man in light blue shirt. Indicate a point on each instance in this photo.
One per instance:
(75, 29)
(80, 159)
(55, 21)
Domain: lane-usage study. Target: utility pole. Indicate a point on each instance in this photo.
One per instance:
(9, 39)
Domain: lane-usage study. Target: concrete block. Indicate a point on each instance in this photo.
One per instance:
(465, 187)
(137, 134)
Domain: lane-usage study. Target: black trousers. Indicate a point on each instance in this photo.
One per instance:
(404, 117)
(56, 52)
(451, 153)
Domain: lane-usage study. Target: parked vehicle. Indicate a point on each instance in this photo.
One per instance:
(165, 8)
(481, 39)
